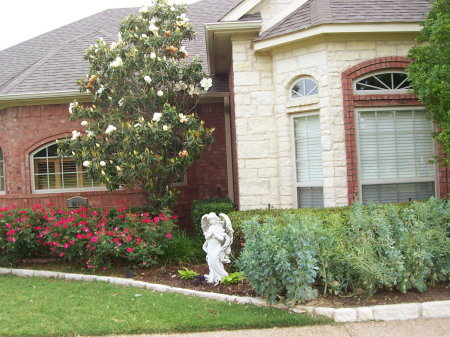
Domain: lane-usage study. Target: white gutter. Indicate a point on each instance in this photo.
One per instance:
(229, 28)
(277, 41)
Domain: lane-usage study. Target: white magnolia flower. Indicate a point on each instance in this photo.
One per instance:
(100, 90)
(153, 20)
(113, 45)
(144, 36)
(193, 90)
(183, 118)
(153, 28)
(160, 93)
(137, 125)
(147, 79)
(183, 50)
(110, 129)
(152, 55)
(183, 17)
(157, 116)
(102, 163)
(116, 63)
(118, 168)
(143, 9)
(73, 106)
(75, 134)
(87, 163)
(90, 134)
(165, 127)
(206, 83)
(84, 123)
(121, 102)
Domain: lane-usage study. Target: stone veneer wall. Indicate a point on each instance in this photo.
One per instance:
(263, 112)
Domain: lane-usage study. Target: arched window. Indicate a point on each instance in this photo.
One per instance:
(50, 173)
(2, 173)
(305, 86)
(384, 82)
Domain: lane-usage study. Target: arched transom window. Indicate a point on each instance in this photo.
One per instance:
(304, 87)
(2, 173)
(52, 173)
(384, 82)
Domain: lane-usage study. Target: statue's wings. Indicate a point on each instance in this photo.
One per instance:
(226, 248)
(205, 222)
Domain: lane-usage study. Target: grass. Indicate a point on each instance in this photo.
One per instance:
(54, 307)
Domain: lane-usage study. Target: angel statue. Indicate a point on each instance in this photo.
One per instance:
(219, 237)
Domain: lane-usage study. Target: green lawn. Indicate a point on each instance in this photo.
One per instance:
(53, 307)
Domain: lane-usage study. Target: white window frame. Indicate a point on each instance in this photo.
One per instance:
(56, 190)
(302, 78)
(297, 184)
(391, 180)
(2, 177)
(380, 92)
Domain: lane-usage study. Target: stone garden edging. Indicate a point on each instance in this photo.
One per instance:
(390, 312)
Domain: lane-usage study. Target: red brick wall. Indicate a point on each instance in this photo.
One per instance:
(351, 102)
(24, 129)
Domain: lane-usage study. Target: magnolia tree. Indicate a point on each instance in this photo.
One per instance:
(140, 127)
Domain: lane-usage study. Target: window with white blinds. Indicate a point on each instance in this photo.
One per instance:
(308, 159)
(52, 173)
(395, 149)
(2, 173)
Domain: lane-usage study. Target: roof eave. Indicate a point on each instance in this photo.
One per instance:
(277, 41)
(37, 98)
(240, 27)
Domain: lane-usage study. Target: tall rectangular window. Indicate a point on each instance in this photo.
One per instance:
(395, 149)
(308, 158)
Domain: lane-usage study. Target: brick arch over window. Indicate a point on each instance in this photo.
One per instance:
(353, 101)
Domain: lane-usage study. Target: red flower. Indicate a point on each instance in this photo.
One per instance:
(129, 250)
(169, 236)
(55, 235)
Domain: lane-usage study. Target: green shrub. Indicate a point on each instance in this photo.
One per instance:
(205, 206)
(356, 248)
(183, 249)
(279, 257)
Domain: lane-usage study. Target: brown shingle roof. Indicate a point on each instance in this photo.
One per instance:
(317, 12)
(54, 61)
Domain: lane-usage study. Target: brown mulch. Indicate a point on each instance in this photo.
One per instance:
(168, 275)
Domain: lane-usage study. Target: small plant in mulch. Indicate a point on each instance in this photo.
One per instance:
(187, 274)
(233, 278)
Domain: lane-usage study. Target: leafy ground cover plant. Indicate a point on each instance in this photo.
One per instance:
(91, 236)
(187, 274)
(233, 278)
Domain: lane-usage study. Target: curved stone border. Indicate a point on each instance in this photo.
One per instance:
(391, 312)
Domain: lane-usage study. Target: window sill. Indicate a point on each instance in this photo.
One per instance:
(71, 190)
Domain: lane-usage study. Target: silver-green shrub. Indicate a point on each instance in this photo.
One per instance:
(280, 257)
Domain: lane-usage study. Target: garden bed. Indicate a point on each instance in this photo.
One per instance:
(168, 275)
